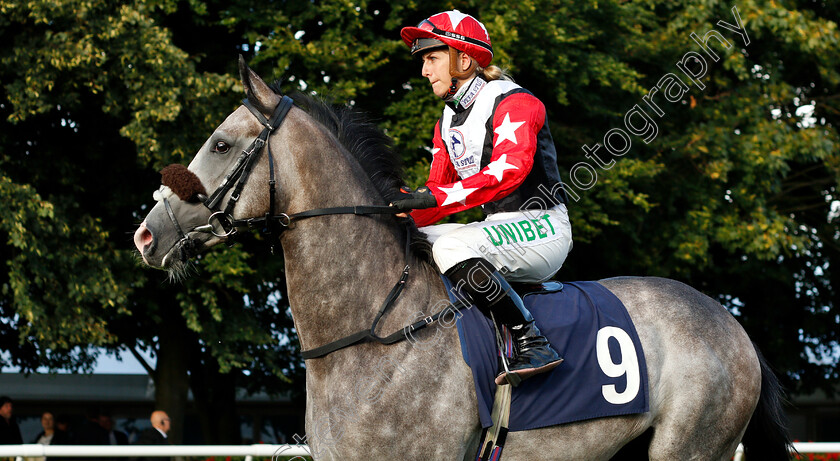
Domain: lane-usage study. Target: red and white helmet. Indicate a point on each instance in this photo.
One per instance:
(458, 30)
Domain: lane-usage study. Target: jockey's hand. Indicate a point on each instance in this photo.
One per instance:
(415, 200)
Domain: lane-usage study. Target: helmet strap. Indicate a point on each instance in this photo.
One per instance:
(456, 72)
(452, 89)
(455, 65)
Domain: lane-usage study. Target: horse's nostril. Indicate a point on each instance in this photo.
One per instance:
(142, 238)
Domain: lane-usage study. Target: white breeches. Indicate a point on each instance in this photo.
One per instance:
(525, 246)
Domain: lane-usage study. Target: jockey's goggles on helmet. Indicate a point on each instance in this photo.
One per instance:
(429, 26)
(422, 45)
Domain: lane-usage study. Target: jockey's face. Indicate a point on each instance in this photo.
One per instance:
(436, 69)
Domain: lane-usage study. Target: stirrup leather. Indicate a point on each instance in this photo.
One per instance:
(493, 438)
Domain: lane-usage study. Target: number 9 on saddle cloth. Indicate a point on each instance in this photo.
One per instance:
(604, 372)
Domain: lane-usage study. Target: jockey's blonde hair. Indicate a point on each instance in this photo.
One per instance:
(492, 72)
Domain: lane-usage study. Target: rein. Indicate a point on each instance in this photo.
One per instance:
(369, 335)
(236, 179)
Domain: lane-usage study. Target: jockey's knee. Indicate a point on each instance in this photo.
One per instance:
(448, 251)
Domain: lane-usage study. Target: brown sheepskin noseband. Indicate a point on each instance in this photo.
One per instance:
(183, 182)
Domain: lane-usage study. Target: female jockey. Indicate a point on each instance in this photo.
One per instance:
(492, 148)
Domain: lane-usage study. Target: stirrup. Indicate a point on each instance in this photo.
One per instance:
(510, 378)
(517, 376)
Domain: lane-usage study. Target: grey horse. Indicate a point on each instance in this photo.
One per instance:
(709, 389)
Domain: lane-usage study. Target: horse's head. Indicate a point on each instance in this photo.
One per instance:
(228, 179)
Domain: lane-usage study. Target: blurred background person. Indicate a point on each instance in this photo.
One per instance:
(47, 435)
(61, 435)
(62, 429)
(90, 432)
(157, 434)
(115, 437)
(9, 430)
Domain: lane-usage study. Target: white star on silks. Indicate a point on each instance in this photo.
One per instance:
(507, 130)
(497, 168)
(457, 193)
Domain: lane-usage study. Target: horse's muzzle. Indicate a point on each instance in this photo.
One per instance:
(145, 241)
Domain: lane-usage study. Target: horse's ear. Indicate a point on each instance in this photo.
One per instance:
(258, 93)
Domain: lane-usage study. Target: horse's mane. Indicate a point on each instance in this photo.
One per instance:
(368, 145)
(365, 141)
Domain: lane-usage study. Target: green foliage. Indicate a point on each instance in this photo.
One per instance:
(93, 93)
(734, 195)
(56, 279)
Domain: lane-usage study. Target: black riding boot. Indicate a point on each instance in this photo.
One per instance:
(492, 293)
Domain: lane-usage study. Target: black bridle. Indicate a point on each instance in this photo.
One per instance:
(242, 169)
(238, 176)
(235, 181)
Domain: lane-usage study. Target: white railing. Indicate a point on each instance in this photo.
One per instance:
(98, 451)
(248, 451)
(817, 447)
(801, 447)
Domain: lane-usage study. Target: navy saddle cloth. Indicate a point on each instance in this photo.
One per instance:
(603, 373)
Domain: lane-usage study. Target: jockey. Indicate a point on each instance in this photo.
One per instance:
(492, 148)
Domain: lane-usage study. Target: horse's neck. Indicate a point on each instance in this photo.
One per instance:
(340, 268)
(338, 274)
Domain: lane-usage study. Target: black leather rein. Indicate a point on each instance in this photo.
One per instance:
(235, 181)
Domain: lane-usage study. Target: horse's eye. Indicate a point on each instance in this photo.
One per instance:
(221, 147)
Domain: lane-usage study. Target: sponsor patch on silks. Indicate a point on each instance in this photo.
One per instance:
(513, 232)
(603, 372)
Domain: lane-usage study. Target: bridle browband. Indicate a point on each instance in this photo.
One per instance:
(236, 180)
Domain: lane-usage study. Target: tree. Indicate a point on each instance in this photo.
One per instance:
(733, 194)
(93, 104)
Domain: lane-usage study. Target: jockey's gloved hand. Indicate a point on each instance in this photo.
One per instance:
(415, 200)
